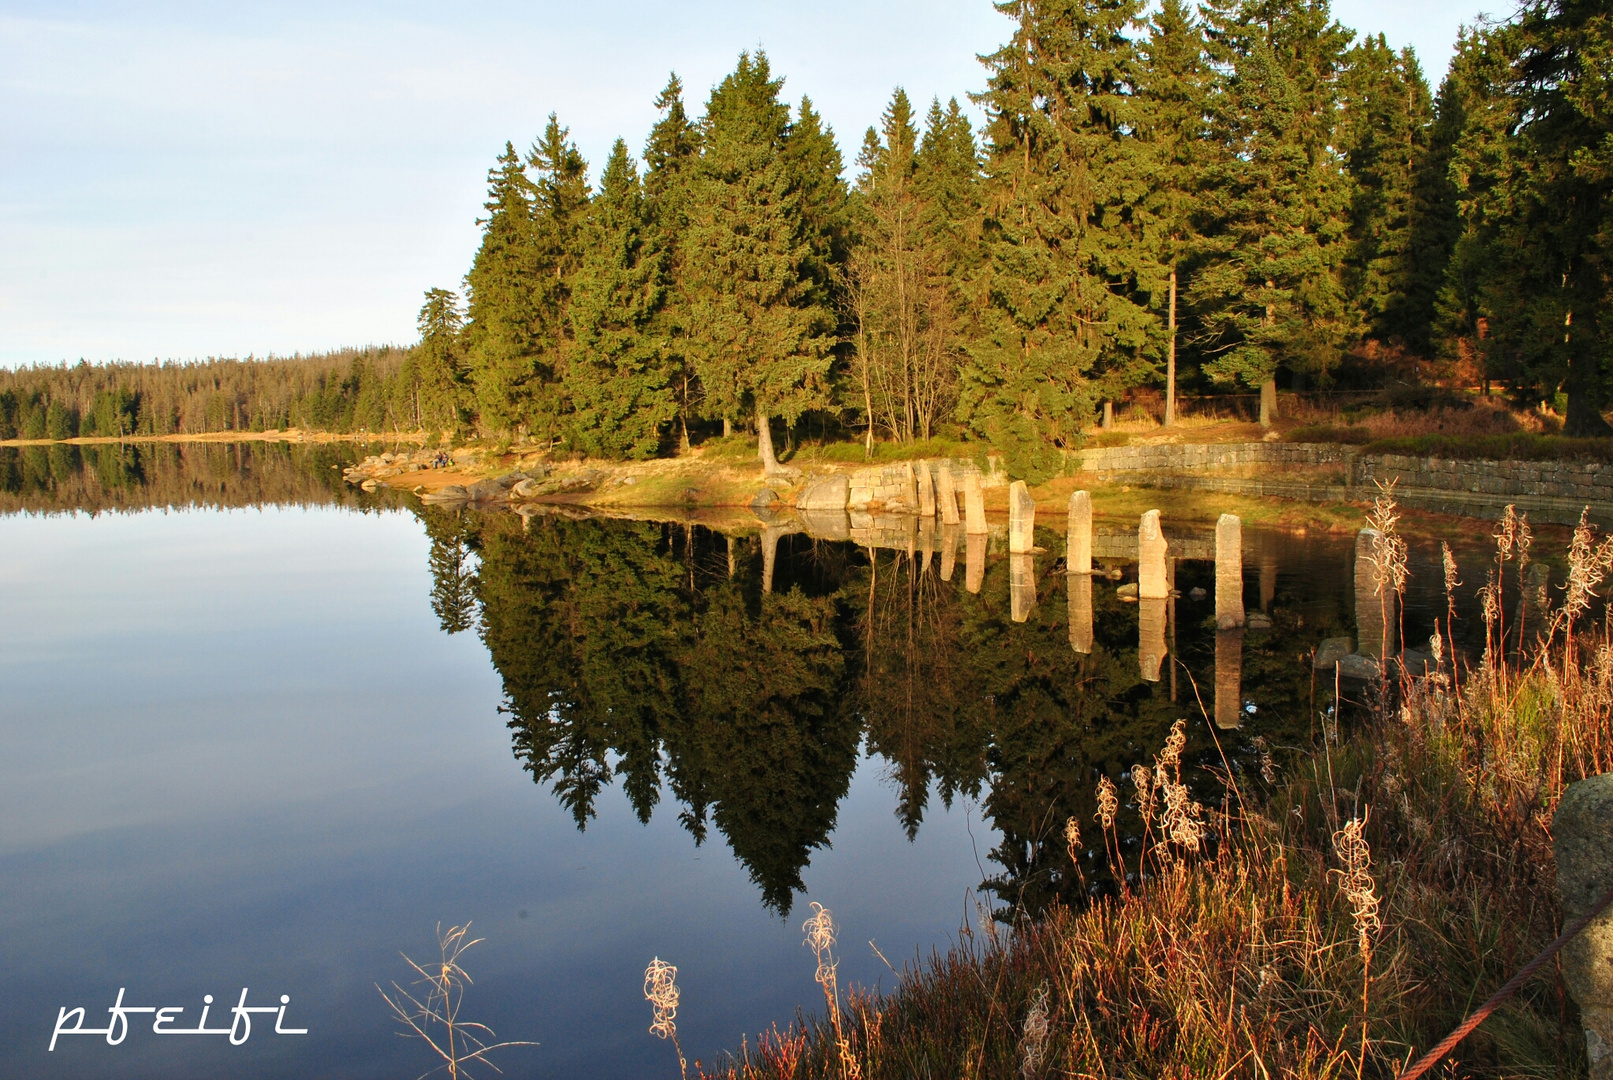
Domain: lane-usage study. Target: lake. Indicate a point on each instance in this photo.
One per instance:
(264, 731)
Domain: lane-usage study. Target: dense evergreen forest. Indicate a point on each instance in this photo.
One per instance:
(1217, 200)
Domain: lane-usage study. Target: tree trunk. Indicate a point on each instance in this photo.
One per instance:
(764, 443)
(727, 427)
(1268, 402)
(1170, 378)
(1584, 419)
(1108, 415)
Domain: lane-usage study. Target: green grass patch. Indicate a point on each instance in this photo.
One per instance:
(1107, 439)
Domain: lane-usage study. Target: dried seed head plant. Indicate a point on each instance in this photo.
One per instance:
(1361, 891)
(820, 938)
(1387, 556)
(434, 1014)
(1108, 803)
(1072, 839)
(1033, 1037)
(661, 991)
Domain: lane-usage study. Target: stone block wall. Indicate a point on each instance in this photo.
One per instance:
(1177, 456)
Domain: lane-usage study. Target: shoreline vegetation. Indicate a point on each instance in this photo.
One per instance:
(1336, 913)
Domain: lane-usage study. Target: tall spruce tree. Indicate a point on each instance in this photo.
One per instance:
(617, 382)
(502, 335)
(1175, 90)
(559, 224)
(1384, 133)
(670, 154)
(437, 364)
(759, 329)
(1067, 270)
(1268, 294)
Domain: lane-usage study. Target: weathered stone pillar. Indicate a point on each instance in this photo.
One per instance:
(946, 494)
(1080, 586)
(926, 489)
(949, 550)
(926, 541)
(1021, 586)
(1151, 637)
(732, 565)
(1370, 608)
(910, 486)
(1582, 840)
(975, 565)
(1151, 581)
(1021, 519)
(1228, 679)
(1228, 573)
(1108, 415)
(1078, 540)
(974, 505)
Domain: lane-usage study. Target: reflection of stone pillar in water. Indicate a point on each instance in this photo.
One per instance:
(1268, 576)
(1021, 519)
(1170, 620)
(1228, 679)
(911, 527)
(949, 550)
(926, 489)
(974, 505)
(769, 556)
(975, 553)
(1150, 636)
(926, 541)
(1078, 541)
(1370, 608)
(1021, 586)
(1228, 572)
(946, 494)
(1080, 586)
(1151, 583)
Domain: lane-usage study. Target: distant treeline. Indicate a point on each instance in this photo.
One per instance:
(66, 478)
(1219, 198)
(350, 390)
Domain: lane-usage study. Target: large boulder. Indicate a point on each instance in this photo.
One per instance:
(830, 494)
(1582, 840)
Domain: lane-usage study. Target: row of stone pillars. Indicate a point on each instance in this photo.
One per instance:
(1156, 589)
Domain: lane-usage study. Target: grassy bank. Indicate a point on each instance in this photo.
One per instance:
(1335, 915)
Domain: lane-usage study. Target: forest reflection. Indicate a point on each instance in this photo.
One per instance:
(745, 674)
(98, 477)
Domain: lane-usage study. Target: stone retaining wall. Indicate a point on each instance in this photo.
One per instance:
(1124, 459)
(1551, 490)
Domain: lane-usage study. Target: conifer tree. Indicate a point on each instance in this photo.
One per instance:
(617, 381)
(670, 154)
(502, 336)
(559, 220)
(1268, 293)
(760, 332)
(1175, 91)
(1384, 133)
(1067, 271)
(438, 366)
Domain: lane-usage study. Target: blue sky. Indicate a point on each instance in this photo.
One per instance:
(182, 180)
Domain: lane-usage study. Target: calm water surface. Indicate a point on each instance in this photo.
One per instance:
(273, 739)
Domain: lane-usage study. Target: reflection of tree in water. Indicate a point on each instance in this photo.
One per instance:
(630, 648)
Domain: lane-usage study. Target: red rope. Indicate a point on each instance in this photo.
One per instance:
(1447, 1044)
